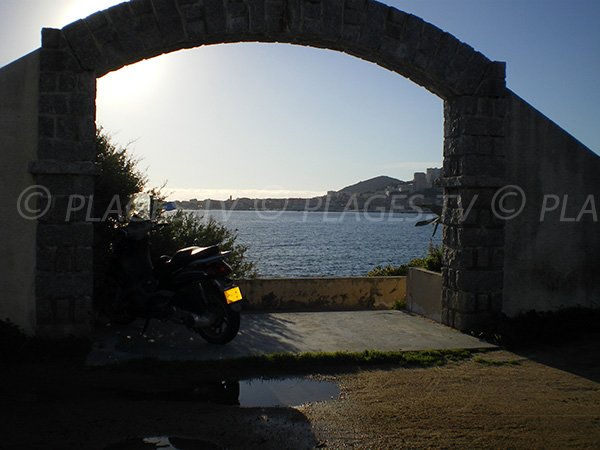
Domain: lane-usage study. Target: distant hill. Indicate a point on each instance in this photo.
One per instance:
(371, 185)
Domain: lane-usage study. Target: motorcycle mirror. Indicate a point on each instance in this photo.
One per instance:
(140, 207)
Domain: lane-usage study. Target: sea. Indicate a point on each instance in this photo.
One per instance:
(327, 244)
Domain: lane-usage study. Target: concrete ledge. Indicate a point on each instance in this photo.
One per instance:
(320, 294)
(424, 293)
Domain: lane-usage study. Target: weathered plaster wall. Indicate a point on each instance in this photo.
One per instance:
(18, 147)
(323, 293)
(424, 293)
(551, 262)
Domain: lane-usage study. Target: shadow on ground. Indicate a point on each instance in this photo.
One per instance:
(53, 406)
(578, 355)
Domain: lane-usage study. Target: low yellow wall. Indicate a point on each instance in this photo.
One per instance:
(323, 293)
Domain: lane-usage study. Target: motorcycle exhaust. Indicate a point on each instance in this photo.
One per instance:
(199, 321)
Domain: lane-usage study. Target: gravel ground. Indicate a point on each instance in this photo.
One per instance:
(545, 397)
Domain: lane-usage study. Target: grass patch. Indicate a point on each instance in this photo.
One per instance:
(399, 305)
(496, 363)
(303, 362)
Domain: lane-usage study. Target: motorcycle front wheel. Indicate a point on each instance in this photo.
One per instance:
(227, 323)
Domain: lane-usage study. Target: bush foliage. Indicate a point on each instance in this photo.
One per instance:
(119, 179)
(186, 228)
(432, 261)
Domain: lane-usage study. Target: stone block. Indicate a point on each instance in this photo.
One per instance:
(146, 28)
(447, 316)
(83, 44)
(81, 105)
(482, 126)
(493, 166)
(353, 17)
(483, 302)
(74, 234)
(141, 7)
(311, 9)
(53, 104)
(59, 211)
(256, 13)
(332, 19)
(492, 88)
(476, 322)
(196, 29)
(46, 126)
(479, 237)
(215, 16)
(64, 285)
(48, 81)
(483, 257)
(350, 33)
(355, 4)
(52, 38)
(237, 24)
(495, 302)
(44, 311)
(63, 312)
(52, 60)
(82, 310)
(373, 27)
(464, 302)
(497, 257)
(446, 48)
(123, 21)
(169, 21)
(479, 280)
(396, 21)
(459, 259)
(64, 150)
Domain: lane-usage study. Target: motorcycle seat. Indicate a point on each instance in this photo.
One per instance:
(189, 254)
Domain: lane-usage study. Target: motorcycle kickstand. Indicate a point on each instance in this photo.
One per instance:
(145, 326)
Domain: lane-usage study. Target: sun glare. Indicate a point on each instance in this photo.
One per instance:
(78, 9)
(130, 83)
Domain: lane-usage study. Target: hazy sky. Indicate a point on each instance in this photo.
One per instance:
(281, 120)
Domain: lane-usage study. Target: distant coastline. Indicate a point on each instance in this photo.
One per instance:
(379, 194)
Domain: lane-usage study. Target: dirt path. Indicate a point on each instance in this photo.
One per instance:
(494, 400)
(462, 405)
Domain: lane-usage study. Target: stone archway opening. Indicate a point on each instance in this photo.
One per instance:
(471, 86)
(303, 113)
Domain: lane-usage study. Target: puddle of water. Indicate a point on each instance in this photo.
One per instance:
(285, 392)
(163, 443)
(256, 392)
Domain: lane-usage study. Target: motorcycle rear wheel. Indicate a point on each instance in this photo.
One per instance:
(116, 310)
(226, 326)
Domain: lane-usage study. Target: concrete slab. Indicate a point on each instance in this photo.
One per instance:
(265, 333)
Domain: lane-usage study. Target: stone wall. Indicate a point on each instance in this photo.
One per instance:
(472, 86)
(18, 147)
(323, 294)
(65, 166)
(552, 248)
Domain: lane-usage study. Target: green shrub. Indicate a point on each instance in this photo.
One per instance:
(432, 261)
(119, 176)
(186, 228)
(389, 271)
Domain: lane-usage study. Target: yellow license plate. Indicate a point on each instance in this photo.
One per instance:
(233, 295)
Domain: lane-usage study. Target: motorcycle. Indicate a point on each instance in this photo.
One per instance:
(191, 287)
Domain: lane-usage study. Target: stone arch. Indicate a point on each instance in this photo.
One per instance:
(472, 87)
